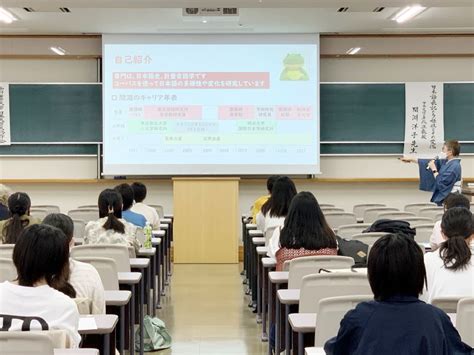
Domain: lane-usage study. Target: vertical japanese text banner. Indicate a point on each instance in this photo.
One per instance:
(424, 119)
(4, 115)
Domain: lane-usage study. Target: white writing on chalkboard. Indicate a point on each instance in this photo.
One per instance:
(424, 123)
(4, 115)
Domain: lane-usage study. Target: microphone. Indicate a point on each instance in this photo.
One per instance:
(428, 165)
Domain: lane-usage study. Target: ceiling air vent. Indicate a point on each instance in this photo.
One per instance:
(379, 9)
(343, 9)
(64, 9)
(29, 9)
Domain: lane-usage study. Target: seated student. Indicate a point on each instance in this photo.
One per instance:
(127, 214)
(40, 257)
(450, 270)
(304, 233)
(4, 194)
(82, 276)
(19, 206)
(110, 228)
(453, 200)
(396, 322)
(259, 202)
(139, 193)
(274, 211)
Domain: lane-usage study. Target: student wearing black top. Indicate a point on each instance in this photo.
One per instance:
(396, 322)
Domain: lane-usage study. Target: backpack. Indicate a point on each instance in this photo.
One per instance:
(392, 226)
(353, 248)
(155, 335)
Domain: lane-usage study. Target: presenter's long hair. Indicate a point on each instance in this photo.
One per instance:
(457, 226)
(305, 225)
(110, 206)
(279, 202)
(19, 205)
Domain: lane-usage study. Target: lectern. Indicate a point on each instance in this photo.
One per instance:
(206, 220)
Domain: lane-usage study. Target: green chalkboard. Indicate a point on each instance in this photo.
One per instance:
(362, 112)
(56, 113)
(349, 113)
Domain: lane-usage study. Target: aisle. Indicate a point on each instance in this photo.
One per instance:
(207, 313)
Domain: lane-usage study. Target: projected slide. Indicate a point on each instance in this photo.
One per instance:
(211, 105)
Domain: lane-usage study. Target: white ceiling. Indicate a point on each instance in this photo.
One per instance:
(256, 16)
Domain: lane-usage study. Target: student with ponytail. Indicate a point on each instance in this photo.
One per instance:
(19, 206)
(450, 270)
(110, 228)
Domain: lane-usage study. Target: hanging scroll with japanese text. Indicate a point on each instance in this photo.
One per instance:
(5, 138)
(424, 121)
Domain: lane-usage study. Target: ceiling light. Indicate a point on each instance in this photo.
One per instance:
(407, 13)
(6, 16)
(353, 51)
(58, 50)
(204, 20)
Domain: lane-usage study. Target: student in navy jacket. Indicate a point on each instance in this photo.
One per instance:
(396, 322)
(441, 176)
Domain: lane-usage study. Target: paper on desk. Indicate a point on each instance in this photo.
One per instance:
(87, 323)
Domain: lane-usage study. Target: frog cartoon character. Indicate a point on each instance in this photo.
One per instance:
(294, 71)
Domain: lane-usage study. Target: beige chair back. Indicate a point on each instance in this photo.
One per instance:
(416, 207)
(7, 270)
(159, 209)
(79, 230)
(84, 305)
(119, 253)
(337, 219)
(107, 269)
(6, 250)
(465, 320)
(370, 214)
(395, 215)
(438, 217)
(359, 210)
(472, 207)
(330, 313)
(447, 304)
(307, 265)
(49, 208)
(28, 342)
(331, 209)
(315, 287)
(348, 230)
(423, 232)
(368, 238)
(38, 213)
(92, 207)
(326, 205)
(431, 212)
(84, 214)
(417, 220)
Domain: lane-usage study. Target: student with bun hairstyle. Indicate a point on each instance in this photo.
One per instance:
(450, 270)
(19, 205)
(41, 258)
(110, 228)
(453, 200)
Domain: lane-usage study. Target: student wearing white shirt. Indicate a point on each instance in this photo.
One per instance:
(450, 270)
(82, 276)
(273, 212)
(151, 215)
(453, 200)
(41, 257)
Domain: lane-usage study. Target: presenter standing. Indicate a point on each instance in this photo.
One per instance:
(441, 175)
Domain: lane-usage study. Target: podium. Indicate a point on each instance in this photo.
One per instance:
(206, 220)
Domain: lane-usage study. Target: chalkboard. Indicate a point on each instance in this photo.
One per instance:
(349, 113)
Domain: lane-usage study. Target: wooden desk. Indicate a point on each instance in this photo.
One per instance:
(118, 300)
